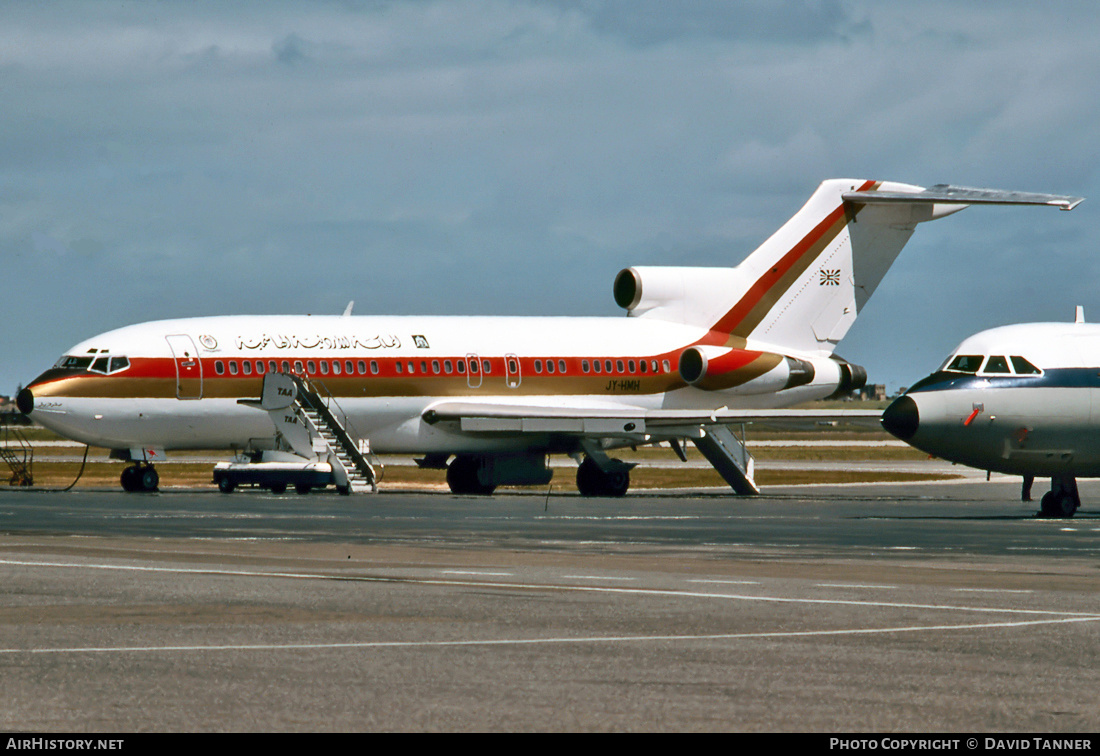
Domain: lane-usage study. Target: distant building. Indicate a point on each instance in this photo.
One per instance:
(873, 392)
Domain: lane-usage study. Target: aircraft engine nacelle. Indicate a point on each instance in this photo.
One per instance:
(745, 371)
(852, 377)
(683, 295)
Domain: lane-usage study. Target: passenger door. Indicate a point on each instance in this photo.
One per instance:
(188, 366)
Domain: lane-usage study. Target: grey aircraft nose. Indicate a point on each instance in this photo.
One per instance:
(901, 418)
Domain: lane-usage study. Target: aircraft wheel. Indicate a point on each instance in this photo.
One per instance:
(149, 478)
(1057, 505)
(278, 488)
(592, 481)
(462, 477)
(129, 479)
(302, 488)
(225, 485)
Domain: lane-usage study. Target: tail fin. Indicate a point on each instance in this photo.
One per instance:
(802, 289)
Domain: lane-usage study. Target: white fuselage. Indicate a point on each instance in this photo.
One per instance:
(1021, 399)
(180, 381)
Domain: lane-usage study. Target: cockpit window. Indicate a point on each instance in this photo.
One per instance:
(966, 363)
(104, 364)
(996, 364)
(75, 363)
(1023, 367)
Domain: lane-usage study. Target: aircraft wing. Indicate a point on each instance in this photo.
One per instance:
(480, 417)
(598, 429)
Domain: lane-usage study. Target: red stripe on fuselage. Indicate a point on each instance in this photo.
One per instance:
(732, 319)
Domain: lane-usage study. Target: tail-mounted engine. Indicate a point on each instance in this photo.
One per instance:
(746, 371)
(719, 368)
(696, 296)
(852, 378)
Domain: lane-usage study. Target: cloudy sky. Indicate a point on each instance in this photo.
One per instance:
(165, 159)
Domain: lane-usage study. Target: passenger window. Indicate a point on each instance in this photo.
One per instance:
(219, 367)
(996, 364)
(584, 366)
(966, 363)
(561, 366)
(247, 367)
(1023, 367)
(538, 366)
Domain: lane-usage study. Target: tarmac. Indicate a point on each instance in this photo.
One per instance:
(922, 608)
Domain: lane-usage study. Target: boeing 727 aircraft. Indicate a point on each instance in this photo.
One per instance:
(309, 400)
(1021, 400)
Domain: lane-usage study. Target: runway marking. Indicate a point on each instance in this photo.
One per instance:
(541, 641)
(856, 585)
(992, 590)
(475, 572)
(663, 592)
(727, 582)
(596, 577)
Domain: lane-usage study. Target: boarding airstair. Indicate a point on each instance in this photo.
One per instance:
(729, 456)
(353, 464)
(18, 454)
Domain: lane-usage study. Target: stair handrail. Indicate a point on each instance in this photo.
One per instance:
(309, 390)
(21, 462)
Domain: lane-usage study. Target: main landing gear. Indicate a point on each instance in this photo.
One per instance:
(140, 478)
(1062, 500)
(594, 481)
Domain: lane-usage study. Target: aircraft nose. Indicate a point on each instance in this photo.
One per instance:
(25, 401)
(901, 418)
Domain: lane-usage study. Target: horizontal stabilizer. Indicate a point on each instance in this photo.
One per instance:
(963, 195)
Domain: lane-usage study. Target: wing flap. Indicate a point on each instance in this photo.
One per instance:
(477, 417)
